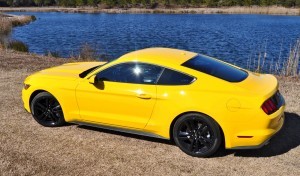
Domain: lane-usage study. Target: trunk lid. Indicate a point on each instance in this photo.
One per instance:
(260, 84)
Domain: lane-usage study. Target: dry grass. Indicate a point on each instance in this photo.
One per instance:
(30, 149)
(224, 10)
(87, 52)
(291, 66)
(5, 26)
(283, 66)
(8, 21)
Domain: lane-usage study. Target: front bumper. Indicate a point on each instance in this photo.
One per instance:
(25, 99)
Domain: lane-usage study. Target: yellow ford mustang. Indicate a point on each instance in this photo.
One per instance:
(193, 99)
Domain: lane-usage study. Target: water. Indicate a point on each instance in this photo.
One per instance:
(232, 38)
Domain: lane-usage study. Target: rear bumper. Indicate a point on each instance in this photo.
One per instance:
(253, 139)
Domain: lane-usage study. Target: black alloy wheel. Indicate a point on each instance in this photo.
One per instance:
(46, 110)
(197, 135)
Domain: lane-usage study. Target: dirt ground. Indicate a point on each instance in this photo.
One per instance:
(27, 148)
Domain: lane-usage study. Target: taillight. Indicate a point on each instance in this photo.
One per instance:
(272, 104)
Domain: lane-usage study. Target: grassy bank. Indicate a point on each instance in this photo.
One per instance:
(7, 22)
(272, 10)
(29, 149)
(14, 20)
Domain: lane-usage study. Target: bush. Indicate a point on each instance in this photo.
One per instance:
(18, 46)
(52, 54)
(87, 52)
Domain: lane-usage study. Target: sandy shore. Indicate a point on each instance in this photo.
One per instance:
(222, 10)
(30, 149)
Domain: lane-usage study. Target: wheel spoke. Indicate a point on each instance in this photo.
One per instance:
(192, 123)
(199, 127)
(47, 102)
(197, 146)
(52, 102)
(183, 136)
(208, 140)
(52, 117)
(192, 145)
(39, 109)
(41, 116)
(40, 105)
(203, 130)
(57, 109)
(187, 124)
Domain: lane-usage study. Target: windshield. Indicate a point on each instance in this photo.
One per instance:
(216, 68)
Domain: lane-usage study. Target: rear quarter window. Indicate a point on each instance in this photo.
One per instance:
(216, 68)
(171, 77)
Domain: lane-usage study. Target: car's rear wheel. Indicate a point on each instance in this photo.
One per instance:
(197, 135)
(46, 110)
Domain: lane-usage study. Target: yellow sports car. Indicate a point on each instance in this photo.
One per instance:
(197, 101)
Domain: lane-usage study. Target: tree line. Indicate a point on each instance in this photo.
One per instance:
(150, 3)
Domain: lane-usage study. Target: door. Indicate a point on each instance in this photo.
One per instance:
(123, 96)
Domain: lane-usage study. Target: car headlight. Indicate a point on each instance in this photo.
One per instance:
(26, 86)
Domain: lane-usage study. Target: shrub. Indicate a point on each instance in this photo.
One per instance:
(87, 52)
(18, 46)
(53, 54)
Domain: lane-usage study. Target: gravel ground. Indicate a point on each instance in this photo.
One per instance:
(27, 148)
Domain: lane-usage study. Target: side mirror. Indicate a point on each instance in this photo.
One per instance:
(93, 79)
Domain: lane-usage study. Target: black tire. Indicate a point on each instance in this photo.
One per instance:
(197, 135)
(46, 110)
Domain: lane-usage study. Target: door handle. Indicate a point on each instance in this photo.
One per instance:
(144, 96)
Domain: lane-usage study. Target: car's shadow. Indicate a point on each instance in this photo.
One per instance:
(285, 140)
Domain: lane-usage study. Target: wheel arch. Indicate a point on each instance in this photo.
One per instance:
(71, 112)
(35, 93)
(189, 112)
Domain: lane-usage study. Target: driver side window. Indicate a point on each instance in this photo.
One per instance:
(137, 73)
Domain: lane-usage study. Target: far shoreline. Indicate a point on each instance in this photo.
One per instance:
(272, 10)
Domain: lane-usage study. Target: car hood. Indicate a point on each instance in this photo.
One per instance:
(70, 70)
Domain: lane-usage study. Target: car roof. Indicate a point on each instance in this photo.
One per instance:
(159, 56)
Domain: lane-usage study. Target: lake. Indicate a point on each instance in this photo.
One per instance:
(232, 38)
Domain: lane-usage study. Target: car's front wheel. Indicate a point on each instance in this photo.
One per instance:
(197, 135)
(46, 110)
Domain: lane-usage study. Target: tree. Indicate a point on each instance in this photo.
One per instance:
(39, 2)
(67, 2)
(49, 2)
(10, 2)
(247, 3)
(79, 2)
(211, 3)
(196, 2)
(92, 2)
